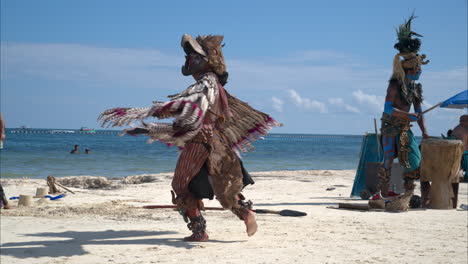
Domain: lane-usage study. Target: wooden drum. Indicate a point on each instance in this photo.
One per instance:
(440, 163)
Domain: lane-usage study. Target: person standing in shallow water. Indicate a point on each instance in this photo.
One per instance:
(75, 149)
(2, 131)
(4, 200)
(402, 93)
(210, 127)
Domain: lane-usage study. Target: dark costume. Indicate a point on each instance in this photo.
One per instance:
(397, 138)
(210, 128)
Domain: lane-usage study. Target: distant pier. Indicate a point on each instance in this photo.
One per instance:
(272, 136)
(62, 131)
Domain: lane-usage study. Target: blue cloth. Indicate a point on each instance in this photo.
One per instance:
(54, 197)
(414, 77)
(388, 107)
(370, 152)
(46, 196)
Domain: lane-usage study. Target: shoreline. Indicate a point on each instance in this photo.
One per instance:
(164, 173)
(109, 225)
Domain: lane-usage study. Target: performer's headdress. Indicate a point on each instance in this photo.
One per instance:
(408, 48)
(208, 46)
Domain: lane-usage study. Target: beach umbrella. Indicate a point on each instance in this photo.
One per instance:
(458, 101)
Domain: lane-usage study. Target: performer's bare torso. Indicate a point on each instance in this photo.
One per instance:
(393, 95)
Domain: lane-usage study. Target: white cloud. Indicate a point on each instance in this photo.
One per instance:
(455, 73)
(340, 103)
(85, 63)
(427, 104)
(306, 103)
(373, 102)
(438, 111)
(277, 104)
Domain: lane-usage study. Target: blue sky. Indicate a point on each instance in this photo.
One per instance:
(316, 66)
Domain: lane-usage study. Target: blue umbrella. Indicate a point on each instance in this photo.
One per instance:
(458, 101)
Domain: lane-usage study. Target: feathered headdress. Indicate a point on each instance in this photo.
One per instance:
(408, 48)
(407, 44)
(210, 47)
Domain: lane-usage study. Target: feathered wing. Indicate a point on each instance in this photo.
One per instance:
(188, 108)
(246, 124)
(123, 116)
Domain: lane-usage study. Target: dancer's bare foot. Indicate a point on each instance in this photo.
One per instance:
(250, 223)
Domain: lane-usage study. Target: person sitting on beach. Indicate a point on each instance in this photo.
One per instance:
(449, 134)
(460, 132)
(210, 126)
(75, 150)
(402, 93)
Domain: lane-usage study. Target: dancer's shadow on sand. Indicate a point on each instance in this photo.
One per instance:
(73, 246)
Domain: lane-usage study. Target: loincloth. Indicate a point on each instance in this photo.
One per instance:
(408, 152)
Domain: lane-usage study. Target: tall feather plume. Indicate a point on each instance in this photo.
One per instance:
(405, 42)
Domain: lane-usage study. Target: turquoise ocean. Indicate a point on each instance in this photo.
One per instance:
(37, 153)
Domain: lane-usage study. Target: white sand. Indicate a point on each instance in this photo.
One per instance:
(109, 226)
